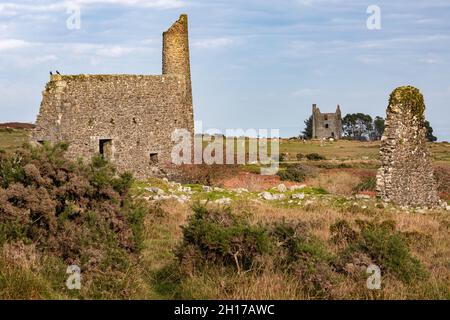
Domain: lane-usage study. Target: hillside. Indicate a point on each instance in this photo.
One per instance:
(223, 232)
(17, 125)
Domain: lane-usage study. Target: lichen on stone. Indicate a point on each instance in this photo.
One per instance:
(408, 97)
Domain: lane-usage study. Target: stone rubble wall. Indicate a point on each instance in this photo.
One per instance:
(406, 174)
(139, 114)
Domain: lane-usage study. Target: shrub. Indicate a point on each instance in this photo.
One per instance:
(385, 246)
(218, 237)
(283, 157)
(300, 156)
(342, 233)
(315, 157)
(389, 249)
(297, 241)
(367, 184)
(80, 213)
(297, 172)
(214, 238)
(330, 165)
(442, 176)
(304, 256)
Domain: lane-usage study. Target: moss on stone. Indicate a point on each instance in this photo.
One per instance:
(105, 76)
(408, 97)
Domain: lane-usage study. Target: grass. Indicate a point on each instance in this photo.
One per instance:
(341, 150)
(158, 274)
(399, 259)
(338, 150)
(11, 139)
(413, 256)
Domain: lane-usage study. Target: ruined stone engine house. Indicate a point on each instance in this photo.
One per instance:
(326, 125)
(129, 119)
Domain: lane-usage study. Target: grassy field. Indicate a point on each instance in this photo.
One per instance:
(247, 237)
(11, 139)
(342, 150)
(339, 150)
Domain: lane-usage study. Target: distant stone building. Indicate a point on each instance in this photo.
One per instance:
(406, 174)
(127, 118)
(326, 125)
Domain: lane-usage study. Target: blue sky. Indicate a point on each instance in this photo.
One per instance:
(255, 64)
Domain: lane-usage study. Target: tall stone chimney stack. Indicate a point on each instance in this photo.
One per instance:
(175, 59)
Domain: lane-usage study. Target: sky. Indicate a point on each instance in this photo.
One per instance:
(257, 64)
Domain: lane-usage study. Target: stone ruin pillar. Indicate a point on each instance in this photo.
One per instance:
(406, 174)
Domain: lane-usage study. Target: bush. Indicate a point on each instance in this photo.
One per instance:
(315, 157)
(304, 256)
(385, 246)
(220, 238)
(80, 213)
(300, 156)
(367, 184)
(215, 238)
(342, 233)
(283, 157)
(389, 249)
(442, 176)
(297, 172)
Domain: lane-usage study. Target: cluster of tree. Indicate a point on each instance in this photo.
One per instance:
(360, 126)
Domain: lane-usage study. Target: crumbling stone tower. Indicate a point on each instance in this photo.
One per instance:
(129, 119)
(326, 125)
(406, 174)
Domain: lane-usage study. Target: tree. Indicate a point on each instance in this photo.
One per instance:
(430, 136)
(378, 128)
(308, 132)
(357, 126)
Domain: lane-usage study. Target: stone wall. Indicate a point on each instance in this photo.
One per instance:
(137, 113)
(175, 56)
(326, 125)
(130, 118)
(406, 174)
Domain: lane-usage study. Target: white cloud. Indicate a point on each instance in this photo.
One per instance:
(161, 4)
(48, 57)
(310, 3)
(370, 59)
(307, 3)
(9, 44)
(431, 60)
(428, 21)
(402, 41)
(213, 43)
(98, 50)
(26, 62)
(114, 51)
(12, 9)
(306, 92)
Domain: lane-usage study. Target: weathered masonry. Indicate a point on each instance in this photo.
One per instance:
(127, 118)
(326, 125)
(406, 174)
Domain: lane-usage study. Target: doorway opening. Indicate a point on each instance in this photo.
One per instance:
(105, 148)
(153, 158)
